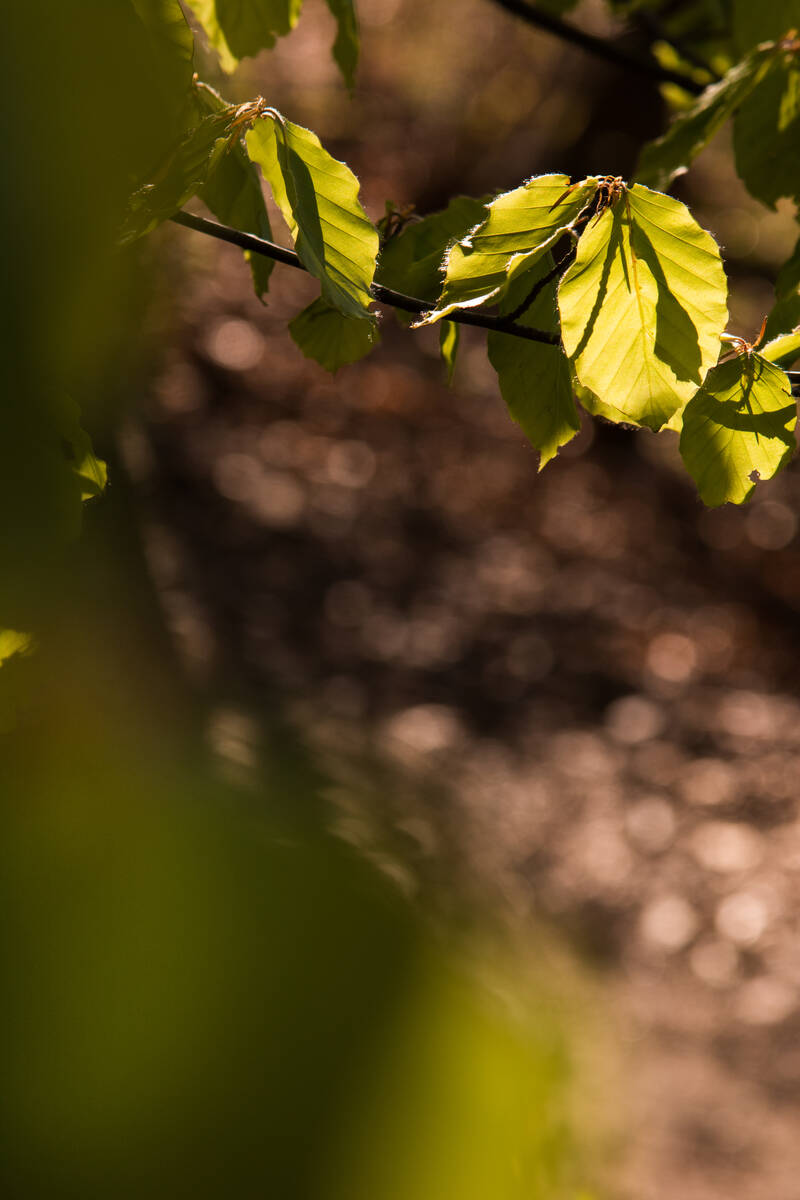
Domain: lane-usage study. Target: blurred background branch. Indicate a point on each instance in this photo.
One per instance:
(600, 47)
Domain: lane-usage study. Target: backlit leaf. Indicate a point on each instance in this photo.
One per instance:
(738, 429)
(643, 306)
(535, 378)
(330, 338)
(783, 350)
(318, 197)
(347, 44)
(766, 133)
(241, 28)
(518, 228)
(662, 160)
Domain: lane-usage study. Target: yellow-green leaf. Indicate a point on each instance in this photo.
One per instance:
(643, 306)
(783, 350)
(518, 228)
(738, 429)
(318, 197)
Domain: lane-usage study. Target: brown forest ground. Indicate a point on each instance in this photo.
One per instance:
(576, 692)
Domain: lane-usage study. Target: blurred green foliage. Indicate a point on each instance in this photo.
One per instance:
(204, 997)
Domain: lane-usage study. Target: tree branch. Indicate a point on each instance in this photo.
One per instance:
(599, 47)
(384, 295)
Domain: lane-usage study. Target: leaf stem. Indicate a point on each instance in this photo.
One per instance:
(599, 47)
(384, 295)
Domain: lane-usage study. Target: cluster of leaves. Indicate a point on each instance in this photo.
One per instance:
(595, 295)
(600, 294)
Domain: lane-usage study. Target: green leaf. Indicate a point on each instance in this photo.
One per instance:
(662, 160)
(184, 173)
(518, 228)
(766, 133)
(757, 21)
(330, 338)
(784, 317)
(783, 350)
(535, 378)
(347, 44)
(643, 306)
(241, 28)
(412, 261)
(738, 429)
(449, 335)
(233, 194)
(318, 197)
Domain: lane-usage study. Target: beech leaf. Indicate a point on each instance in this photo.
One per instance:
(738, 429)
(643, 306)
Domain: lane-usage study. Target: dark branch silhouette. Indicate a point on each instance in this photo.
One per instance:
(384, 295)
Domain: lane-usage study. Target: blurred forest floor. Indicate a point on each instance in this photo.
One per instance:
(571, 695)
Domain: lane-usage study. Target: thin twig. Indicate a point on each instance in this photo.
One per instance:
(653, 28)
(385, 295)
(599, 47)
